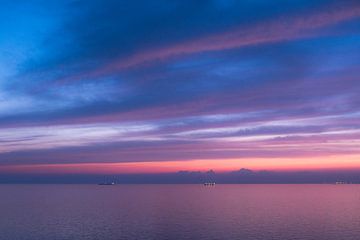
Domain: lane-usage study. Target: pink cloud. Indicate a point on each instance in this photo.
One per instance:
(283, 29)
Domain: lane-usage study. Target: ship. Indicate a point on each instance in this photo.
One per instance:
(209, 184)
(340, 182)
(107, 183)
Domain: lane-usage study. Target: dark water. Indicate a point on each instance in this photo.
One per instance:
(78, 212)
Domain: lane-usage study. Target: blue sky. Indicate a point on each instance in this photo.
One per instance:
(230, 83)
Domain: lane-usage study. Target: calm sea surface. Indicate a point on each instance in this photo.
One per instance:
(36, 212)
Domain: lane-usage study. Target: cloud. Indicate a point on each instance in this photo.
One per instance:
(284, 29)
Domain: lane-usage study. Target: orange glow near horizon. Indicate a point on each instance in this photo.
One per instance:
(344, 162)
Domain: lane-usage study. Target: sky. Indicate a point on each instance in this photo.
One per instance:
(146, 87)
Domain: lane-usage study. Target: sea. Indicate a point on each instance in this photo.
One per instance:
(191, 211)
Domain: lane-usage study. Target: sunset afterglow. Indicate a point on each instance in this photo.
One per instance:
(152, 90)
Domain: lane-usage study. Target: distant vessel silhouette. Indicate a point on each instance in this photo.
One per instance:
(107, 183)
(340, 182)
(209, 184)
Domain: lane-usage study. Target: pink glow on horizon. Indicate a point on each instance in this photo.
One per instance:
(337, 162)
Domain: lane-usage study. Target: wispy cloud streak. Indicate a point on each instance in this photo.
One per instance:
(283, 29)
